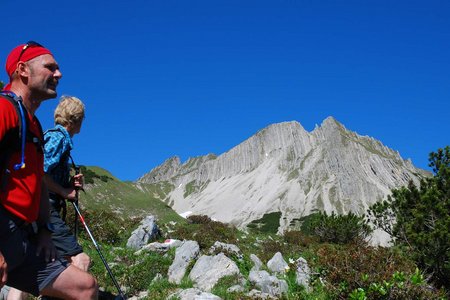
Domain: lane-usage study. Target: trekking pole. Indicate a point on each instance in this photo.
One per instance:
(75, 206)
(75, 202)
(77, 171)
(121, 294)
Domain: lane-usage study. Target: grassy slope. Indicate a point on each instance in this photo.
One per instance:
(126, 197)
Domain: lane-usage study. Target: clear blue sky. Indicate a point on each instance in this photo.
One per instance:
(188, 78)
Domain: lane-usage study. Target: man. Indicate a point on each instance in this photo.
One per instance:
(27, 258)
(69, 116)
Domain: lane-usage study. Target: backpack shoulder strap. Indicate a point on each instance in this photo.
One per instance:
(37, 140)
(41, 132)
(14, 134)
(16, 139)
(12, 138)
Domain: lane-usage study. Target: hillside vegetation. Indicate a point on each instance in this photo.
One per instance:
(104, 192)
(343, 265)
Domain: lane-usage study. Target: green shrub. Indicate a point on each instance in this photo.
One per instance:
(419, 219)
(338, 229)
(184, 231)
(106, 226)
(399, 286)
(269, 247)
(206, 233)
(299, 238)
(209, 233)
(355, 271)
(307, 221)
(290, 244)
(199, 219)
(90, 175)
(269, 223)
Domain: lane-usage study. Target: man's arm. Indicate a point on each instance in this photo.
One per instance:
(66, 193)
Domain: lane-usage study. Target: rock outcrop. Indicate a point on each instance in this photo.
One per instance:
(209, 269)
(187, 252)
(147, 231)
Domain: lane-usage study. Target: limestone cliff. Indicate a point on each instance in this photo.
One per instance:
(285, 168)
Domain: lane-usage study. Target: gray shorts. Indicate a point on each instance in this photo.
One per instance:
(26, 271)
(63, 239)
(4, 292)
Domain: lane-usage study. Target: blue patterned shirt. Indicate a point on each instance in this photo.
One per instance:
(57, 146)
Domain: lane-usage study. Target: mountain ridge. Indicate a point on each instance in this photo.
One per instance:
(285, 168)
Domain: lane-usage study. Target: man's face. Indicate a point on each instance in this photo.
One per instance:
(44, 77)
(74, 128)
(77, 127)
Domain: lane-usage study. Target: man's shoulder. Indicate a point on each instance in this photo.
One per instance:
(8, 113)
(58, 129)
(54, 133)
(6, 103)
(57, 133)
(9, 123)
(54, 138)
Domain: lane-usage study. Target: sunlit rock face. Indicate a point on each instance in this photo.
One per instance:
(284, 168)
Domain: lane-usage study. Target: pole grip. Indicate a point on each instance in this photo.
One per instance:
(77, 171)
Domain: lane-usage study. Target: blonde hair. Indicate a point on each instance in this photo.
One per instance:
(70, 110)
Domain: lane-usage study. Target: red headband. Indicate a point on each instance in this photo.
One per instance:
(29, 53)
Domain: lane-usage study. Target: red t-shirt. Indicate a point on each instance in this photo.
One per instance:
(22, 194)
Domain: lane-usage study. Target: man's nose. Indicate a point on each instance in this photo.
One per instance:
(58, 74)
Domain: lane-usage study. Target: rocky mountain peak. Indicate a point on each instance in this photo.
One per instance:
(331, 122)
(284, 168)
(163, 172)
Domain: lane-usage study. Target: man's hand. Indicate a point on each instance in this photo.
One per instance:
(78, 181)
(3, 271)
(70, 194)
(45, 245)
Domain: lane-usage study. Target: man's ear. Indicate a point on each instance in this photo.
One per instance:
(23, 69)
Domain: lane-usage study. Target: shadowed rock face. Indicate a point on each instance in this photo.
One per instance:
(285, 168)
